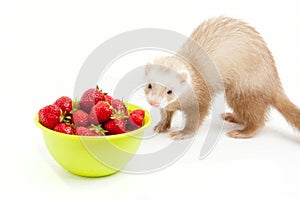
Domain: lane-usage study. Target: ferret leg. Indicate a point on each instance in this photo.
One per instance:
(247, 132)
(189, 129)
(252, 116)
(192, 124)
(165, 123)
(230, 117)
(250, 109)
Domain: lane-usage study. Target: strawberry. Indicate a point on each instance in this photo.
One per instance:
(83, 131)
(75, 105)
(115, 126)
(135, 120)
(100, 113)
(64, 128)
(136, 117)
(117, 123)
(80, 118)
(119, 107)
(108, 98)
(50, 116)
(97, 129)
(90, 131)
(65, 104)
(90, 98)
(132, 127)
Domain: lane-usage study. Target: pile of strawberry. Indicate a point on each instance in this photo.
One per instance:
(95, 114)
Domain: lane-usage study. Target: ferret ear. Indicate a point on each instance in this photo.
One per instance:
(147, 68)
(183, 76)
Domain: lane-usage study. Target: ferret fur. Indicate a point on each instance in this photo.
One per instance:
(239, 63)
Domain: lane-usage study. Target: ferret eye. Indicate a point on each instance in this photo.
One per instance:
(169, 92)
(150, 86)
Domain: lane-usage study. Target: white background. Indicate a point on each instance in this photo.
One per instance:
(42, 47)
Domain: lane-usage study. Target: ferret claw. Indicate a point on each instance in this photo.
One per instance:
(180, 135)
(161, 127)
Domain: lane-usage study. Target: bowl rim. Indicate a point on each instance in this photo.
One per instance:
(116, 136)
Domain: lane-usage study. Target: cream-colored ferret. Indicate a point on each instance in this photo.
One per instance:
(247, 75)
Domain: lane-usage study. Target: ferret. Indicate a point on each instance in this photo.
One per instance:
(247, 75)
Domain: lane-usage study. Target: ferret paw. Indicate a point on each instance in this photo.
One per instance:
(181, 135)
(162, 127)
(239, 134)
(228, 117)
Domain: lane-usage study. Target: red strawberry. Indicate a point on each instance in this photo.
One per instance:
(132, 127)
(119, 106)
(90, 98)
(97, 129)
(80, 118)
(100, 113)
(135, 120)
(115, 126)
(50, 116)
(136, 117)
(108, 98)
(64, 128)
(75, 105)
(65, 104)
(83, 131)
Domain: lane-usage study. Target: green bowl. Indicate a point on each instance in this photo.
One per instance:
(94, 156)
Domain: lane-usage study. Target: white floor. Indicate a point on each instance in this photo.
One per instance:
(42, 48)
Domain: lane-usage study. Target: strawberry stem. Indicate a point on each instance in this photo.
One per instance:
(75, 105)
(98, 129)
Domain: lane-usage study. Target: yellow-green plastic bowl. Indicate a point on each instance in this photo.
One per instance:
(94, 156)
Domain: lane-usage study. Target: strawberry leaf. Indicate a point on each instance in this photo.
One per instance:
(98, 129)
(75, 105)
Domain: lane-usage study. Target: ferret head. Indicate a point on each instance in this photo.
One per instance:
(167, 78)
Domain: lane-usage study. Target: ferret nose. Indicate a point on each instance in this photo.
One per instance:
(154, 103)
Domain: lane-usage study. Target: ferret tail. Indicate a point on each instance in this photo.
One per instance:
(289, 110)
